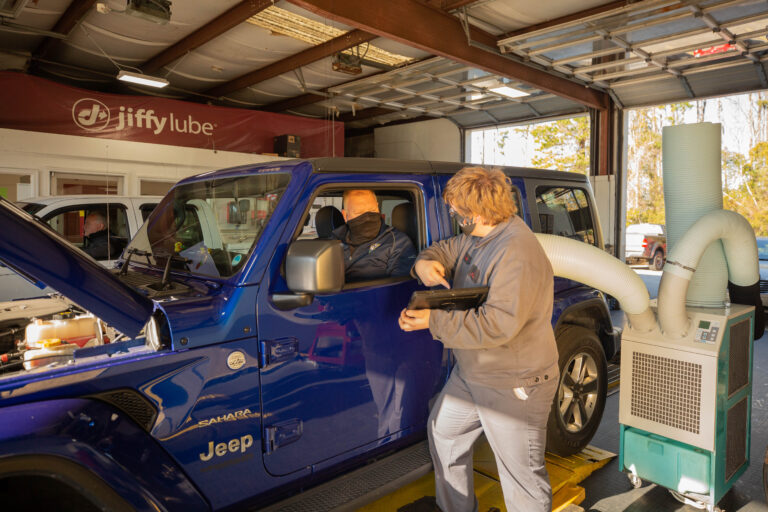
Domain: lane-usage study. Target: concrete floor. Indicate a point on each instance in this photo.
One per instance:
(609, 490)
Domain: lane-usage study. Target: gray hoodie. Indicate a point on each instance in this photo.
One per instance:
(507, 342)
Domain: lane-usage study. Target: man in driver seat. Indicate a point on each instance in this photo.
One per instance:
(371, 248)
(98, 240)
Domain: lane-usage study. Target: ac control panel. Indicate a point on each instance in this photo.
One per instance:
(706, 331)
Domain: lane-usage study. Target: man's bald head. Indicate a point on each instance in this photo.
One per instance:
(94, 222)
(358, 202)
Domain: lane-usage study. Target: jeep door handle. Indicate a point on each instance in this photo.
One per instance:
(287, 301)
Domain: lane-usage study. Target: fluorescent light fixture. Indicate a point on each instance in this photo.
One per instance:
(509, 92)
(138, 78)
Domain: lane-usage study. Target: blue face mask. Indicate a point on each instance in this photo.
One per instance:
(465, 223)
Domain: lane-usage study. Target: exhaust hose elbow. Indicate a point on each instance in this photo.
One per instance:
(576, 260)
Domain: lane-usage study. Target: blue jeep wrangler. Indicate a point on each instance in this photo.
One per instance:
(226, 364)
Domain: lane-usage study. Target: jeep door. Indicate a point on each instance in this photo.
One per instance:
(339, 377)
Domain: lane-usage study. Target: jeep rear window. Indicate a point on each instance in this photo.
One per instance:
(564, 211)
(210, 227)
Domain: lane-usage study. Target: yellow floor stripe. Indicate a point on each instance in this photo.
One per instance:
(564, 475)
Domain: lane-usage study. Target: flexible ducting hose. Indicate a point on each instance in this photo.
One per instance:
(693, 187)
(587, 264)
(740, 247)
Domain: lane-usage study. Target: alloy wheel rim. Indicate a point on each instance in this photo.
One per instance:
(578, 392)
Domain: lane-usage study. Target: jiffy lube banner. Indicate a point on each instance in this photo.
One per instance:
(36, 104)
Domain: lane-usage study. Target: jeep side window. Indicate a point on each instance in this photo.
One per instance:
(69, 222)
(518, 207)
(564, 211)
(396, 206)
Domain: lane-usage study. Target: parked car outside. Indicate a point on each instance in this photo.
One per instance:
(762, 252)
(66, 215)
(242, 368)
(646, 244)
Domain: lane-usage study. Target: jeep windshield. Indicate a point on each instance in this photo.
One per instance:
(208, 227)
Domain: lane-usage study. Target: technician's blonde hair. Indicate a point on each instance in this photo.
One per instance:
(483, 192)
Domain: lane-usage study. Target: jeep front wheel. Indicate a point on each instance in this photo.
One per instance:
(580, 399)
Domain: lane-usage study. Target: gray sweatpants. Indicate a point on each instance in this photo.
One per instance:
(516, 431)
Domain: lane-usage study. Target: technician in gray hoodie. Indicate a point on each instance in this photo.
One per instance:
(506, 369)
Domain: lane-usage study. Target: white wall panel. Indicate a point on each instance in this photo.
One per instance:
(437, 139)
(43, 153)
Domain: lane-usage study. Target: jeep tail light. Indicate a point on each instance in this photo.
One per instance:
(645, 243)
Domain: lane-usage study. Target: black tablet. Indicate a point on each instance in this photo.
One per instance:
(461, 298)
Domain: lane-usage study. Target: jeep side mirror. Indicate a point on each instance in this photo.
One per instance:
(315, 266)
(311, 267)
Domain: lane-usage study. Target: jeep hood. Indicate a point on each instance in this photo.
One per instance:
(38, 252)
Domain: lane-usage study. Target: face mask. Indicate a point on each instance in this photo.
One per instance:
(466, 224)
(363, 228)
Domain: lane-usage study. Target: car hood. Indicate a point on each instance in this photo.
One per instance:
(38, 252)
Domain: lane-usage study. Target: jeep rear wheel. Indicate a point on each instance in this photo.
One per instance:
(580, 399)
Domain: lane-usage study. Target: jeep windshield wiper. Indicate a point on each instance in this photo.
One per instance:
(131, 252)
(165, 284)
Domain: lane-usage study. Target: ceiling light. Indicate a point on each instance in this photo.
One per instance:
(138, 78)
(509, 92)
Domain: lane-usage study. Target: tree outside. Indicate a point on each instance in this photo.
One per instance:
(564, 145)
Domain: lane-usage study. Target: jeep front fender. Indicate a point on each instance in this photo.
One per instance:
(94, 446)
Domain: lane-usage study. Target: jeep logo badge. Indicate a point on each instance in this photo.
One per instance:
(90, 114)
(236, 360)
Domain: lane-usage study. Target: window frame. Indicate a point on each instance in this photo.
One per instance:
(533, 204)
(418, 203)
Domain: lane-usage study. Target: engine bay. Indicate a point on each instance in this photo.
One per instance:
(51, 332)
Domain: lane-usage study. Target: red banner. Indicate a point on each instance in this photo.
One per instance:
(35, 104)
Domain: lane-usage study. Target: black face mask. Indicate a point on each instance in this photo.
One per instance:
(363, 228)
(465, 223)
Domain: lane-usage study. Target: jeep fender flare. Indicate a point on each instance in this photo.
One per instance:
(97, 450)
(592, 314)
(83, 481)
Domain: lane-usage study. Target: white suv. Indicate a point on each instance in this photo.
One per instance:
(66, 215)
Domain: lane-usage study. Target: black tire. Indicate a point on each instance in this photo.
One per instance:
(657, 262)
(582, 357)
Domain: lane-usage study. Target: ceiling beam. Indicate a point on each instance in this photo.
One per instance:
(233, 17)
(308, 56)
(66, 23)
(449, 5)
(418, 25)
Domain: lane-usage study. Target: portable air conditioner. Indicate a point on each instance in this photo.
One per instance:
(685, 404)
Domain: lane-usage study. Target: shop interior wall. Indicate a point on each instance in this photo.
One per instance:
(436, 139)
(38, 155)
